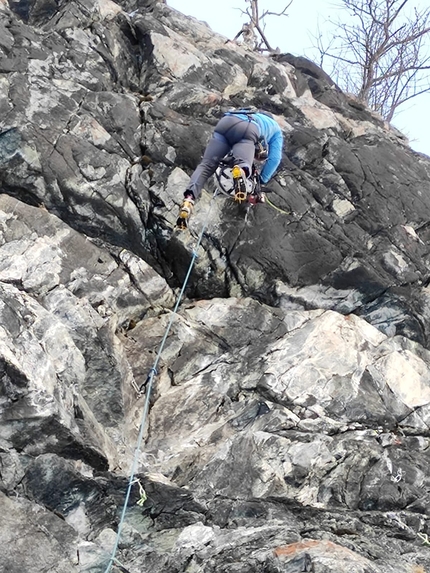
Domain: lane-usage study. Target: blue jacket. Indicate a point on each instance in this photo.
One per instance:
(272, 133)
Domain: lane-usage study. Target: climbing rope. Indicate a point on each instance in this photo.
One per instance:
(277, 208)
(149, 382)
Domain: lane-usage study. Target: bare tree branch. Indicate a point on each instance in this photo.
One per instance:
(256, 26)
(383, 56)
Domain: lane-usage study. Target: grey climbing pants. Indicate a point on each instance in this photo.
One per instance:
(231, 134)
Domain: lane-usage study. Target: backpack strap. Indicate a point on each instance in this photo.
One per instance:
(248, 111)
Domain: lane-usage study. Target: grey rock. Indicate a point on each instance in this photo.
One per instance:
(283, 409)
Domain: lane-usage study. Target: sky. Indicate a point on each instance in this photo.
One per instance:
(295, 34)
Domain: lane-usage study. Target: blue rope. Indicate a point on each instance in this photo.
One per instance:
(150, 379)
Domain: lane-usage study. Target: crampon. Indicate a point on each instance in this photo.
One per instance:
(231, 181)
(184, 213)
(239, 184)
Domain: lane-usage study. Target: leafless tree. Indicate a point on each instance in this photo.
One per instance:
(253, 31)
(383, 56)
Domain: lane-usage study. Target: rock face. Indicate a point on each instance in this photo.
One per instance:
(288, 425)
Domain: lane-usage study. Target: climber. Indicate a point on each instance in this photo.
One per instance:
(248, 135)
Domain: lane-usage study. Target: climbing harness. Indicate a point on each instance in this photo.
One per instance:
(261, 149)
(261, 146)
(148, 384)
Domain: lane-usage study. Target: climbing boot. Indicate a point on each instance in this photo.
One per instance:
(239, 184)
(185, 213)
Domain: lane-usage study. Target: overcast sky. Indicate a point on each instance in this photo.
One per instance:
(294, 34)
